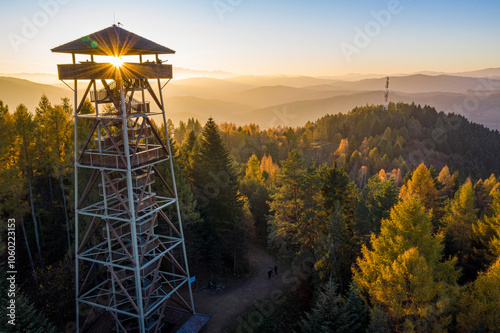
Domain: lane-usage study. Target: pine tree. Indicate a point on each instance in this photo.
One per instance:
(27, 318)
(375, 202)
(286, 206)
(325, 311)
(333, 249)
(216, 190)
(334, 313)
(192, 222)
(338, 188)
(355, 316)
(296, 208)
(404, 275)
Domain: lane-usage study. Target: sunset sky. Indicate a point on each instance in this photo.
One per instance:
(267, 37)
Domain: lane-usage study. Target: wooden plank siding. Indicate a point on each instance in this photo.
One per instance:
(105, 71)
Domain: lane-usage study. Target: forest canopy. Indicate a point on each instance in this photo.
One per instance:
(399, 210)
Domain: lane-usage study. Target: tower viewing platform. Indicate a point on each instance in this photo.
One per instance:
(132, 271)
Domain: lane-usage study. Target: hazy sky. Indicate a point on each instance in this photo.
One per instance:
(267, 36)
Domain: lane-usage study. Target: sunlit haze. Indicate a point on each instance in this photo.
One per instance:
(317, 38)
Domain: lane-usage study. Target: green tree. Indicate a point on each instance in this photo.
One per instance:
(25, 130)
(404, 275)
(334, 249)
(286, 206)
(338, 188)
(192, 222)
(334, 313)
(27, 319)
(486, 233)
(216, 190)
(480, 302)
(187, 154)
(482, 198)
(375, 202)
(459, 218)
(58, 127)
(295, 208)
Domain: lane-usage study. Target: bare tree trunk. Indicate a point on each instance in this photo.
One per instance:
(65, 211)
(50, 189)
(34, 222)
(26, 239)
(63, 191)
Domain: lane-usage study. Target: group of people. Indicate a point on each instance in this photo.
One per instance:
(270, 271)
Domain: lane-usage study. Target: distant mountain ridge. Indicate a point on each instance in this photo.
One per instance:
(293, 100)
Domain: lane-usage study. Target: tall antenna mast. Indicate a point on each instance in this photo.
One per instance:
(386, 104)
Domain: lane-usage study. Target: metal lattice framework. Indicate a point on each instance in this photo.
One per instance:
(123, 265)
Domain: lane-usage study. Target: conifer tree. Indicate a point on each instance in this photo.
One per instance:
(422, 187)
(336, 314)
(481, 198)
(296, 208)
(334, 249)
(25, 129)
(286, 205)
(325, 312)
(458, 221)
(448, 181)
(375, 202)
(253, 187)
(27, 318)
(404, 274)
(338, 188)
(486, 233)
(216, 190)
(191, 220)
(480, 303)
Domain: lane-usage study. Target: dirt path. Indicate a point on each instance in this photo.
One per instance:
(224, 306)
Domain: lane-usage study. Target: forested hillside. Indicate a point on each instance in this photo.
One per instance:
(390, 219)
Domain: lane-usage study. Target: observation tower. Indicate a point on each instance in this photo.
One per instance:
(131, 268)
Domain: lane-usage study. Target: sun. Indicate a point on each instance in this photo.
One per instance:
(116, 61)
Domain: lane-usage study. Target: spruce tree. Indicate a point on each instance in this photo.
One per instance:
(191, 220)
(27, 318)
(338, 188)
(218, 200)
(336, 314)
(375, 202)
(325, 312)
(286, 206)
(334, 250)
(296, 208)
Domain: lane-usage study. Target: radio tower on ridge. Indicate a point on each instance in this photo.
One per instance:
(386, 104)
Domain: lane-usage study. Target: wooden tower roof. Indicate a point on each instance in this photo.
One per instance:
(113, 41)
